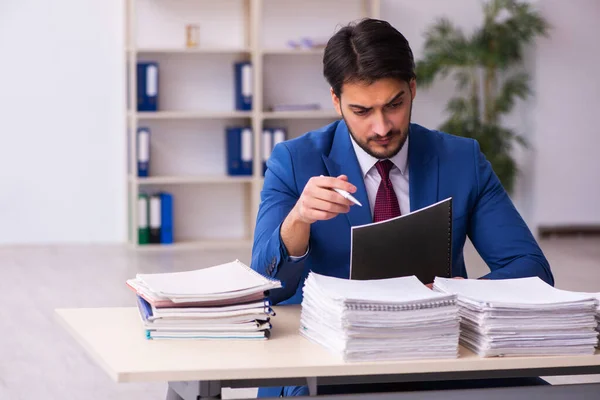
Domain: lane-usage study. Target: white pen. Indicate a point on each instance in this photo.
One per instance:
(347, 196)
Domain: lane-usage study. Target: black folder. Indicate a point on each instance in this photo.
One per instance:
(418, 243)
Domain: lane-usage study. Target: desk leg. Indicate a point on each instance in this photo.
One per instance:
(172, 394)
(194, 390)
(312, 386)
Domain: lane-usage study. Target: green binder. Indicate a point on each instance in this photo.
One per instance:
(143, 226)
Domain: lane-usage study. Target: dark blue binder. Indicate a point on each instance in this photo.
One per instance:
(239, 150)
(147, 86)
(243, 86)
(143, 151)
(166, 218)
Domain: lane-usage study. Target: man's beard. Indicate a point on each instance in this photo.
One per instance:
(394, 133)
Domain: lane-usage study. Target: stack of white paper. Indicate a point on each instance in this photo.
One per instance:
(388, 319)
(523, 316)
(227, 301)
(597, 296)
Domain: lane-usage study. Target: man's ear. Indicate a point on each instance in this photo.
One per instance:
(336, 102)
(413, 87)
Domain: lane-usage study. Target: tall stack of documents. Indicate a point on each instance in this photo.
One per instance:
(597, 296)
(523, 316)
(226, 301)
(387, 319)
(598, 319)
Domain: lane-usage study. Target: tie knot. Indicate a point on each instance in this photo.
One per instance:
(384, 167)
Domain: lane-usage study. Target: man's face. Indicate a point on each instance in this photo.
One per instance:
(377, 115)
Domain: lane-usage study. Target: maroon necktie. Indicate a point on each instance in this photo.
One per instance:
(386, 202)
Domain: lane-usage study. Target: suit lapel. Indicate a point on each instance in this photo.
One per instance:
(342, 160)
(423, 171)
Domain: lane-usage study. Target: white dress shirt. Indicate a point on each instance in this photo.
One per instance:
(398, 175)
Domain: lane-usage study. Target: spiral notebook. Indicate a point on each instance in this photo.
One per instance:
(393, 294)
(389, 319)
(418, 243)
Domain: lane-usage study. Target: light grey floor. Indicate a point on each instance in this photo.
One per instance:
(39, 360)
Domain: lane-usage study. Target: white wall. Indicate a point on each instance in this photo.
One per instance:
(559, 183)
(62, 153)
(567, 134)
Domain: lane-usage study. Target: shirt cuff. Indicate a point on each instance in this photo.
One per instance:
(299, 258)
(285, 254)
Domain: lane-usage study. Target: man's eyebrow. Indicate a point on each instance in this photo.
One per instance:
(396, 97)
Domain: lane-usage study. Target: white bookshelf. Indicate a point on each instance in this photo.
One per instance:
(317, 114)
(146, 115)
(196, 103)
(182, 180)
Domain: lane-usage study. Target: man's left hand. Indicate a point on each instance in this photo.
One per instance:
(430, 285)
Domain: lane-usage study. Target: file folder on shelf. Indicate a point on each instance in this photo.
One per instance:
(155, 220)
(143, 152)
(143, 227)
(267, 147)
(279, 135)
(147, 86)
(166, 218)
(243, 86)
(270, 138)
(239, 150)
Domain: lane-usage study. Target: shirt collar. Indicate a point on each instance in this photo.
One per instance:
(367, 161)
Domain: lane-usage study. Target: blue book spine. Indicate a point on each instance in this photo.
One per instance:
(243, 86)
(233, 144)
(147, 86)
(144, 307)
(166, 211)
(143, 152)
(239, 150)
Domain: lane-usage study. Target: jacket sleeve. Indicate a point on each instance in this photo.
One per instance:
(499, 233)
(278, 196)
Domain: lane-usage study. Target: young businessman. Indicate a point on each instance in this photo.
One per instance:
(391, 165)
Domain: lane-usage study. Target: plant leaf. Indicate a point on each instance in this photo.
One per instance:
(517, 86)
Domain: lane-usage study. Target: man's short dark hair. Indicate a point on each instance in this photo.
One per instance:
(366, 52)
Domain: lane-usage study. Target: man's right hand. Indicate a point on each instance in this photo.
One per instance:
(316, 203)
(319, 202)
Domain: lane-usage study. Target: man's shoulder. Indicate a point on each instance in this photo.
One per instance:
(315, 142)
(444, 143)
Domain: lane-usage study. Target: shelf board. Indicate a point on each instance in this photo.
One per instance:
(183, 180)
(182, 50)
(193, 114)
(316, 114)
(208, 244)
(294, 52)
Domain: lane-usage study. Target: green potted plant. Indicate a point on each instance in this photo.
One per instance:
(485, 66)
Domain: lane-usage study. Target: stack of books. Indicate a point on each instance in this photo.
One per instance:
(523, 316)
(387, 319)
(226, 301)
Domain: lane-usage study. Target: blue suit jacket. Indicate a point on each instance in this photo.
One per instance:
(440, 166)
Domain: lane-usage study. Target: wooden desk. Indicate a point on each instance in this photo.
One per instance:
(115, 338)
